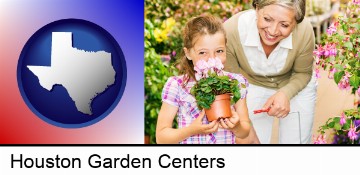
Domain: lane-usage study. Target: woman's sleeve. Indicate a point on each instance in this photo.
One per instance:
(232, 63)
(303, 64)
(170, 92)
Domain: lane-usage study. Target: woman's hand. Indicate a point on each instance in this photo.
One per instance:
(230, 123)
(279, 104)
(197, 127)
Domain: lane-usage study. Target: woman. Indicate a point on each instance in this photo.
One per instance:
(272, 46)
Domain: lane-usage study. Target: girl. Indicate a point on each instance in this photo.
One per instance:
(204, 38)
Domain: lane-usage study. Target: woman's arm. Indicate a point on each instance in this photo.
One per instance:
(245, 123)
(166, 134)
(303, 64)
(301, 73)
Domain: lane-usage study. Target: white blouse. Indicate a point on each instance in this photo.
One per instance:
(250, 41)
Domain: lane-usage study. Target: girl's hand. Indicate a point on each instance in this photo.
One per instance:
(280, 105)
(230, 123)
(199, 128)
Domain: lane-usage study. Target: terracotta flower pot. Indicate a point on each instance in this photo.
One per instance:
(220, 108)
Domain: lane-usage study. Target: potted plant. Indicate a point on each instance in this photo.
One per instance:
(339, 53)
(214, 91)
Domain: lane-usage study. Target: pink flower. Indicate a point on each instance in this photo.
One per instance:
(344, 82)
(206, 7)
(330, 50)
(319, 51)
(213, 65)
(331, 73)
(331, 30)
(320, 139)
(358, 91)
(218, 64)
(165, 57)
(356, 2)
(342, 119)
(352, 133)
(317, 60)
(317, 73)
(201, 69)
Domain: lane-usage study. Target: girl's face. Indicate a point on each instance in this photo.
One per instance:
(207, 46)
(274, 23)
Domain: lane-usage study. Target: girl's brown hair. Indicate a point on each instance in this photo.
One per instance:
(196, 27)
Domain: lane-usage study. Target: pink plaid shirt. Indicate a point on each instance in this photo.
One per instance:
(174, 94)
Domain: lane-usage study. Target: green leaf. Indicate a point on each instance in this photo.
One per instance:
(336, 119)
(325, 127)
(349, 45)
(346, 126)
(331, 124)
(357, 26)
(339, 67)
(337, 126)
(338, 76)
(354, 81)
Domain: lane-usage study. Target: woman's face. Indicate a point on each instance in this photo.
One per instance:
(274, 23)
(207, 46)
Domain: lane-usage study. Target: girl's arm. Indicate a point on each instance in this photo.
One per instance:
(243, 128)
(166, 134)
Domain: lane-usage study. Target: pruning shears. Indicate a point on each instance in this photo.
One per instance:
(261, 110)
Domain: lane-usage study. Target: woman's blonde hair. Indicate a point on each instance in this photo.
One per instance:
(297, 5)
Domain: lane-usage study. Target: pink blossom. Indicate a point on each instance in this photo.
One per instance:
(319, 51)
(218, 64)
(352, 133)
(317, 73)
(317, 60)
(206, 7)
(351, 31)
(198, 76)
(201, 69)
(344, 82)
(356, 2)
(320, 139)
(165, 57)
(211, 63)
(330, 50)
(331, 73)
(358, 91)
(331, 30)
(342, 119)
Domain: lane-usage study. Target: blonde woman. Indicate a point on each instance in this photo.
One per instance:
(272, 46)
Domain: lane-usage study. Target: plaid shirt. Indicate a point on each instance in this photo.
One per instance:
(174, 94)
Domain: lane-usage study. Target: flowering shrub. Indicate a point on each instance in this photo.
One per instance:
(211, 81)
(346, 128)
(169, 16)
(339, 54)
